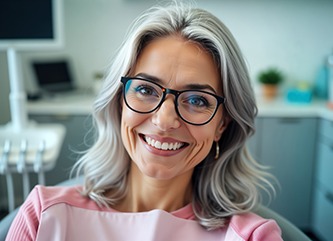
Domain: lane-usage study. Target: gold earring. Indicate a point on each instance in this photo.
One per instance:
(217, 154)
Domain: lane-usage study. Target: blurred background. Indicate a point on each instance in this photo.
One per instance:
(295, 36)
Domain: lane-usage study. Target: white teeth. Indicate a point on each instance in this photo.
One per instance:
(164, 146)
(158, 145)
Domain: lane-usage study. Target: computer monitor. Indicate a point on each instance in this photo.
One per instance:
(31, 25)
(53, 76)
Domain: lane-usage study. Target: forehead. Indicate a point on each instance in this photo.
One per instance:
(176, 62)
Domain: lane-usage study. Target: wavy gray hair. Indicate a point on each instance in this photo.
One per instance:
(223, 187)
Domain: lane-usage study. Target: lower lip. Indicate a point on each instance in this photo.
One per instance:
(160, 152)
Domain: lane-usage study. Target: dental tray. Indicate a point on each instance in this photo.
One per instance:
(35, 140)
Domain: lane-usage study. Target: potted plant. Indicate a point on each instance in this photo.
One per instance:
(270, 79)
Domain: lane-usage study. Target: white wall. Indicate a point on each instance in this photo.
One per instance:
(294, 35)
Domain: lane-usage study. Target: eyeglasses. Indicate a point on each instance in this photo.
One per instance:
(196, 107)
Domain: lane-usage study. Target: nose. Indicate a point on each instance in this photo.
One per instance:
(166, 117)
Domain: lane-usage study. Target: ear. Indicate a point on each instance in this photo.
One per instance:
(221, 128)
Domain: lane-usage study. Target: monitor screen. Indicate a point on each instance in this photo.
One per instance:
(30, 24)
(53, 76)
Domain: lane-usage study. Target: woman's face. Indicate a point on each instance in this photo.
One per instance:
(177, 64)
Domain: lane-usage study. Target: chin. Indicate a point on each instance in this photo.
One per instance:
(157, 172)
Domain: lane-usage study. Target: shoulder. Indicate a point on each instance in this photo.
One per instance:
(26, 223)
(250, 226)
(50, 196)
(56, 193)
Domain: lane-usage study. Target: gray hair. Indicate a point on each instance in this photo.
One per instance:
(221, 188)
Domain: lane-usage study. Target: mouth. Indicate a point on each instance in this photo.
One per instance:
(165, 146)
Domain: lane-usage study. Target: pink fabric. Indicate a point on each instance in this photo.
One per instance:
(61, 213)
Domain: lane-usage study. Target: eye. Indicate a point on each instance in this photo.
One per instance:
(196, 101)
(146, 90)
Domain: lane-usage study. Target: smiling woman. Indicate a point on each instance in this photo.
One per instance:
(169, 161)
(173, 116)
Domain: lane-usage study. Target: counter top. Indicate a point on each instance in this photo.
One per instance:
(82, 105)
(281, 108)
(62, 105)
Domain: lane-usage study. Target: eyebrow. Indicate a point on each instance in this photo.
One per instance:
(189, 86)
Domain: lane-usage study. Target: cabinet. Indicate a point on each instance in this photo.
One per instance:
(287, 146)
(323, 189)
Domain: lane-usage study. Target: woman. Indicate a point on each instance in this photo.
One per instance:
(169, 161)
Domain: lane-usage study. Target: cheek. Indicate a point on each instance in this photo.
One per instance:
(128, 117)
(129, 121)
(205, 134)
(131, 118)
(203, 141)
(204, 138)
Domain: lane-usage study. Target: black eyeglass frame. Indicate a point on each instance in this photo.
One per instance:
(176, 93)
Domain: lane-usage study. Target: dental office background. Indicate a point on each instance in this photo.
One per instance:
(295, 36)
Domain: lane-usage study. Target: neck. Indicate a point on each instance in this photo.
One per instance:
(147, 193)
